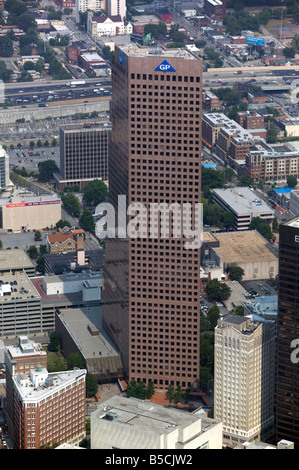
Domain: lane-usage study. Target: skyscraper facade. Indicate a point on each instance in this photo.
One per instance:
(83, 154)
(155, 158)
(287, 406)
(244, 379)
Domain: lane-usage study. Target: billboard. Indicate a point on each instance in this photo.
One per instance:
(255, 41)
(34, 203)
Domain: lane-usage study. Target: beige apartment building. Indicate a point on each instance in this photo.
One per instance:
(267, 165)
(244, 379)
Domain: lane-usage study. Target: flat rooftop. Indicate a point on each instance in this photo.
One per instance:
(83, 276)
(241, 247)
(150, 416)
(243, 201)
(85, 327)
(135, 50)
(60, 379)
(45, 199)
(15, 259)
(94, 126)
(25, 346)
(17, 287)
(293, 222)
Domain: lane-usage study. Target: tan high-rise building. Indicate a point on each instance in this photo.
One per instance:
(152, 310)
(244, 379)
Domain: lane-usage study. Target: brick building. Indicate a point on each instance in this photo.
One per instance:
(42, 408)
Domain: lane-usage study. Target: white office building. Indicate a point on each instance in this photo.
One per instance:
(244, 204)
(130, 423)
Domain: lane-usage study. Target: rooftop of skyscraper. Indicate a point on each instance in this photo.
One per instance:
(134, 49)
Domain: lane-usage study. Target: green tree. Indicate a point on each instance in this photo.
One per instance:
(40, 264)
(262, 227)
(170, 393)
(32, 252)
(72, 204)
(37, 235)
(62, 223)
(75, 360)
(43, 249)
(228, 219)
(272, 134)
(55, 342)
(6, 46)
(213, 315)
(239, 311)
(46, 170)
(150, 389)
(91, 385)
(289, 52)
(87, 221)
(95, 192)
(275, 225)
(236, 273)
(26, 21)
(217, 290)
(292, 181)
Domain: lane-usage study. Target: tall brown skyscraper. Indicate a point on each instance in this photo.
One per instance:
(152, 296)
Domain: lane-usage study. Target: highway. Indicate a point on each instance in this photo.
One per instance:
(47, 93)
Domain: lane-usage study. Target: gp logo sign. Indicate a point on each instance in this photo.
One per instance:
(165, 67)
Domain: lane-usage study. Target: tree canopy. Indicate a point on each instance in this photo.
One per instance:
(95, 192)
(217, 290)
(46, 170)
(236, 273)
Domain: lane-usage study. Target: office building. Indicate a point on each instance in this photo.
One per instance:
(155, 157)
(287, 406)
(116, 7)
(244, 378)
(42, 408)
(5, 182)
(215, 9)
(83, 154)
(130, 423)
(244, 204)
(93, 5)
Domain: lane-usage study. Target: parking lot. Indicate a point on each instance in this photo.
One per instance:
(30, 158)
(22, 240)
(261, 288)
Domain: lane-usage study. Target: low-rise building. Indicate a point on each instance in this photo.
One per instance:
(244, 205)
(81, 331)
(103, 25)
(29, 212)
(68, 240)
(211, 101)
(249, 250)
(87, 283)
(290, 126)
(130, 423)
